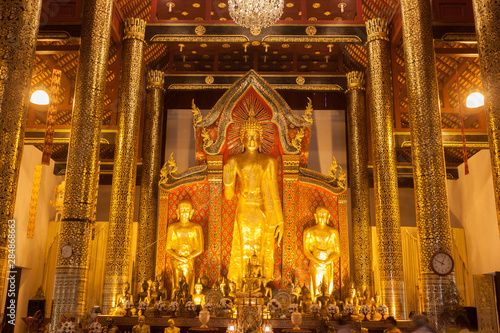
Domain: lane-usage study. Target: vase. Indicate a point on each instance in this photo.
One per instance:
(296, 320)
(365, 318)
(204, 318)
(383, 314)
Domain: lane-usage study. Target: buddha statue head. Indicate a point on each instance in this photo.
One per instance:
(251, 131)
(198, 288)
(185, 211)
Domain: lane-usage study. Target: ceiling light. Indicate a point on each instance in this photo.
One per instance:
(475, 100)
(40, 97)
(255, 14)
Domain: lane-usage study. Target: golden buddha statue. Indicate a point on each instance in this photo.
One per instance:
(305, 300)
(184, 244)
(352, 298)
(141, 327)
(259, 218)
(232, 290)
(110, 326)
(198, 297)
(143, 295)
(122, 298)
(252, 276)
(321, 247)
(323, 298)
(171, 327)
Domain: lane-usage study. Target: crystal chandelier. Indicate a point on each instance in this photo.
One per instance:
(255, 14)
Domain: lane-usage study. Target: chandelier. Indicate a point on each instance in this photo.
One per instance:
(255, 14)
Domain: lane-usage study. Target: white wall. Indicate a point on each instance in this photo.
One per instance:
(472, 203)
(30, 252)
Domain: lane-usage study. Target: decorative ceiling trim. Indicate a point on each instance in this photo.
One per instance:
(313, 39)
(315, 87)
(163, 38)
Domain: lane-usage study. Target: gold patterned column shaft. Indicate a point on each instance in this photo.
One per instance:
(18, 36)
(151, 156)
(70, 286)
(384, 168)
(487, 19)
(358, 180)
(429, 172)
(125, 167)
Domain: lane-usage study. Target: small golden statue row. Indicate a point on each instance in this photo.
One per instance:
(141, 327)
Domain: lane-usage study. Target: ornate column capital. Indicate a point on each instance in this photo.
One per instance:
(355, 81)
(156, 80)
(135, 28)
(377, 29)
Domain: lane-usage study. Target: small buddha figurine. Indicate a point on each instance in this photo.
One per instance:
(367, 299)
(198, 297)
(305, 300)
(141, 327)
(143, 295)
(265, 290)
(155, 294)
(224, 288)
(374, 306)
(293, 298)
(122, 298)
(176, 293)
(352, 299)
(110, 326)
(171, 327)
(161, 286)
(232, 290)
(185, 295)
(205, 282)
(297, 291)
(252, 277)
(323, 298)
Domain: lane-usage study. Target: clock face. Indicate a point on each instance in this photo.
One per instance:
(66, 251)
(442, 263)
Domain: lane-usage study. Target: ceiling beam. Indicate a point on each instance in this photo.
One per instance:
(456, 52)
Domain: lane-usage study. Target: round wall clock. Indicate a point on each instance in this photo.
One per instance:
(66, 251)
(442, 263)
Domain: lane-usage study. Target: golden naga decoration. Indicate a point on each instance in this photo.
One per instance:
(184, 244)
(297, 140)
(197, 117)
(259, 217)
(308, 114)
(207, 140)
(341, 178)
(321, 246)
(172, 168)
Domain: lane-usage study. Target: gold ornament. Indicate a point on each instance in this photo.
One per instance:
(310, 30)
(200, 30)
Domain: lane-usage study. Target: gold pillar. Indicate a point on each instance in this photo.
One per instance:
(358, 180)
(125, 167)
(487, 19)
(15, 81)
(429, 172)
(151, 155)
(70, 286)
(384, 168)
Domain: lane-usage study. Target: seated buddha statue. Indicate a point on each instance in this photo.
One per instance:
(198, 297)
(122, 298)
(323, 297)
(321, 246)
(171, 327)
(305, 300)
(367, 298)
(352, 298)
(232, 291)
(265, 290)
(374, 306)
(205, 282)
(155, 294)
(252, 276)
(184, 244)
(143, 295)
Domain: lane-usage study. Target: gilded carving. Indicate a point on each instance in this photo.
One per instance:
(148, 204)
(125, 161)
(200, 30)
(484, 290)
(334, 169)
(384, 168)
(358, 180)
(197, 117)
(297, 139)
(313, 39)
(18, 35)
(311, 30)
(83, 161)
(429, 170)
(486, 16)
(308, 112)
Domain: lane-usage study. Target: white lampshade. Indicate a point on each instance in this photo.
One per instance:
(40, 97)
(475, 100)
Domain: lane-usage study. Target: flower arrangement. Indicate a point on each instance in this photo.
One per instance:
(293, 308)
(364, 309)
(274, 305)
(208, 306)
(95, 327)
(349, 309)
(67, 327)
(190, 306)
(225, 303)
(315, 308)
(142, 305)
(128, 305)
(332, 309)
(383, 309)
(173, 306)
(160, 305)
